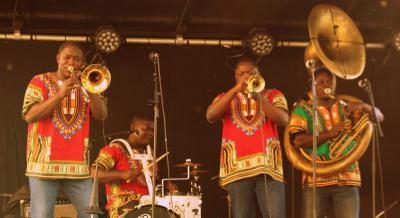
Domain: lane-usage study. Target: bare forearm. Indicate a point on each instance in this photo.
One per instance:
(42, 110)
(218, 108)
(305, 140)
(98, 107)
(105, 176)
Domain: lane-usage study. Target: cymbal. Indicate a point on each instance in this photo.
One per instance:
(189, 164)
(337, 41)
(196, 172)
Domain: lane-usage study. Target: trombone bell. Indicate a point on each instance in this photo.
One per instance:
(96, 78)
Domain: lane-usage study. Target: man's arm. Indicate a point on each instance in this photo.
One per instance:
(98, 106)
(277, 115)
(105, 176)
(217, 109)
(306, 140)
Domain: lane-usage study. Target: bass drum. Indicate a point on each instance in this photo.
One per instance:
(145, 212)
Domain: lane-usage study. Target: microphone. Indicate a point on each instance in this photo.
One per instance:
(310, 63)
(363, 83)
(153, 56)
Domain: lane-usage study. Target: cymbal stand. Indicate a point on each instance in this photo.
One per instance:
(175, 179)
(311, 64)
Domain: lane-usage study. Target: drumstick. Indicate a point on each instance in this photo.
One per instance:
(151, 164)
(158, 159)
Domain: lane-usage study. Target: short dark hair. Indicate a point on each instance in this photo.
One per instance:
(245, 60)
(324, 70)
(70, 43)
(141, 116)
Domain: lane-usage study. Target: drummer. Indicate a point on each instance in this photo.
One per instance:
(120, 167)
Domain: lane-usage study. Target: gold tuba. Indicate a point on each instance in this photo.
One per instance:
(95, 78)
(337, 45)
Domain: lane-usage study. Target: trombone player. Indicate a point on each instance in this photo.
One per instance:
(251, 159)
(335, 117)
(58, 112)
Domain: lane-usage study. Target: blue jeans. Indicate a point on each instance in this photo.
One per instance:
(44, 193)
(345, 200)
(270, 195)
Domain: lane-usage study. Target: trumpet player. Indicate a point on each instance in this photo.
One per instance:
(251, 159)
(342, 188)
(58, 133)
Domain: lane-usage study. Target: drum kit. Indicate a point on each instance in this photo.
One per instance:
(174, 204)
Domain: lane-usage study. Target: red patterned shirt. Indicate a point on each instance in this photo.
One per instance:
(119, 193)
(250, 142)
(57, 146)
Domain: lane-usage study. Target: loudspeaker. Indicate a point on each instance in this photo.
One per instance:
(62, 209)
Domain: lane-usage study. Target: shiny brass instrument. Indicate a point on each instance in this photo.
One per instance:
(337, 45)
(95, 78)
(339, 160)
(255, 84)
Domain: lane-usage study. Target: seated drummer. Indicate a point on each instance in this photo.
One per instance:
(120, 167)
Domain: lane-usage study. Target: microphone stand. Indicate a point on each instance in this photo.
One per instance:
(311, 65)
(156, 63)
(377, 132)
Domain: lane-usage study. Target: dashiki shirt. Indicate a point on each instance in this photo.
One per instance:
(57, 146)
(301, 122)
(121, 193)
(250, 142)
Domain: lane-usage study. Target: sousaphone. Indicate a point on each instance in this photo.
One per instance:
(336, 44)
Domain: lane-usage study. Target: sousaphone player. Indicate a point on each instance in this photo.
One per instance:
(343, 122)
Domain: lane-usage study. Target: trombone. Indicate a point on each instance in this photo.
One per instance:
(95, 78)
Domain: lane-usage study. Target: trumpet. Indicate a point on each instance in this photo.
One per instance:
(255, 84)
(95, 78)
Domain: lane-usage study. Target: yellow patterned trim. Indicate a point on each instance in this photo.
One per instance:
(233, 168)
(279, 100)
(53, 170)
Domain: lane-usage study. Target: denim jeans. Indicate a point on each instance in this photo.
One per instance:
(269, 193)
(44, 194)
(345, 201)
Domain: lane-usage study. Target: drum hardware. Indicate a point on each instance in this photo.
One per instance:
(195, 188)
(188, 163)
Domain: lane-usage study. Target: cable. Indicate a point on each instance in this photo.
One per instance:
(377, 146)
(260, 96)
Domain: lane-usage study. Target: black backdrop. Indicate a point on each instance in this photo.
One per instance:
(191, 77)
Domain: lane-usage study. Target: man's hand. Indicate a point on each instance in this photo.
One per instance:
(67, 85)
(339, 127)
(242, 84)
(129, 175)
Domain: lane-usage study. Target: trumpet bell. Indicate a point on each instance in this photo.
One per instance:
(96, 78)
(255, 84)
